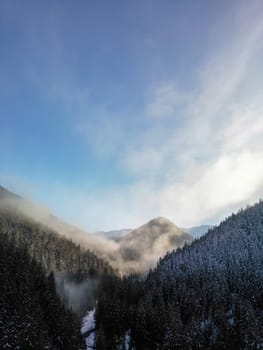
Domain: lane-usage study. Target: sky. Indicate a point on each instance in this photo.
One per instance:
(115, 112)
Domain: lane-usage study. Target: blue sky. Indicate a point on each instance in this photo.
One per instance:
(113, 112)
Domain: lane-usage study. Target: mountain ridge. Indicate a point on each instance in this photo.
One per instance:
(152, 240)
(146, 244)
(206, 295)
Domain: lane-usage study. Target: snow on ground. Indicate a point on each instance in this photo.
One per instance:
(88, 328)
(127, 340)
(88, 322)
(90, 341)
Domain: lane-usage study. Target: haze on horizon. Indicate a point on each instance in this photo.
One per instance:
(113, 113)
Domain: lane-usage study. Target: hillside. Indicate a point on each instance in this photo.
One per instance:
(31, 314)
(53, 252)
(11, 202)
(114, 235)
(151, 241)
(117, 235)
(72, 264)
(57, 245)
(207, 295)
(127, 251)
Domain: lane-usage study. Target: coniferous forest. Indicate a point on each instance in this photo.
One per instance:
(131, 175)
(31, 314)
(34, 310)
(51, 250)
(207, 295)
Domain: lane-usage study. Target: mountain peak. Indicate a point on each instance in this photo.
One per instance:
(156, 227)
(152, 240)
(160, 220)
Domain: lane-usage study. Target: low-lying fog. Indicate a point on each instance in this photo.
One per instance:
(128, 251)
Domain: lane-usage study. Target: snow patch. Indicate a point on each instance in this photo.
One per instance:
(127, 340)
(88, 329)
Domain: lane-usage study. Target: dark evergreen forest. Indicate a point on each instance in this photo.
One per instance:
(51, 250)
(207, 295)
(31, 314)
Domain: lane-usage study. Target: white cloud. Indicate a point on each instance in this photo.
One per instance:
(198, 153)
(209, 160)
(165, 101)
(245, 128)
(231, 180)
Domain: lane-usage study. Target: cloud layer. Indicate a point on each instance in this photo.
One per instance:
(186, 147)
(200, 153)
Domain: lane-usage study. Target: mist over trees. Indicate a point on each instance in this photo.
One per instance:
(36, 266)
(136, 251)
(31, 314)
(51, 250)
(76, 270)
(208, 295)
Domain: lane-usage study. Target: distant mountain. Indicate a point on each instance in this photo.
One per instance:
(139, 249)
(198, 231)
(117, 235)
(151, 241)
(127, 250)
(207, 295)
(114, 235)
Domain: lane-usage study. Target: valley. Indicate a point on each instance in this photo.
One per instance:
(131, 175)
(154, 287)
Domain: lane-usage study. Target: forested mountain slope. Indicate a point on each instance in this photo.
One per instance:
(11, 202)
(135, 251)
(207, 295)
(31, 314)
(77, 269)
(54, 252)
(141, 248)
